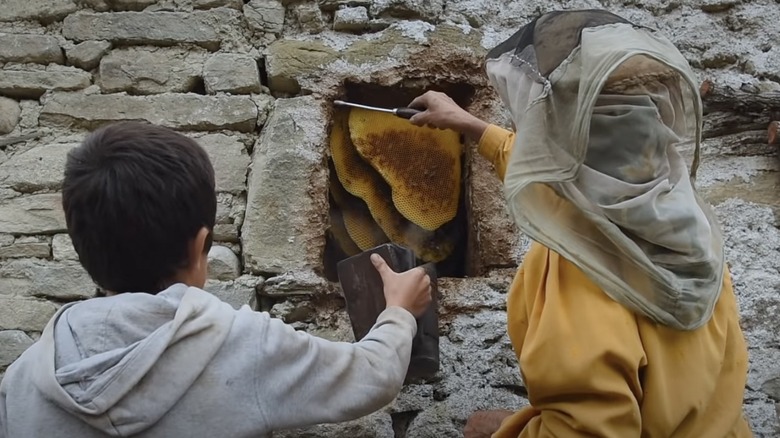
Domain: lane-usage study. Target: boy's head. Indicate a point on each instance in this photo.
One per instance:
(140, 207)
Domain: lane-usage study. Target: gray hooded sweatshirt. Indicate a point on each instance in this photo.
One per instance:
(182, 363)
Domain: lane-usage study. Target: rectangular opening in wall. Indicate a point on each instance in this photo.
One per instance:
(391, 181)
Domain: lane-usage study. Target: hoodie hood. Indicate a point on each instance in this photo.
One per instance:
(120, 363)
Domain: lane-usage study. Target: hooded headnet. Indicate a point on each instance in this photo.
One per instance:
(600, 106)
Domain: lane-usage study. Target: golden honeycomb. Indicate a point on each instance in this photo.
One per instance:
(338, 232)
(421, 165)
(360, 226)
(356, 179)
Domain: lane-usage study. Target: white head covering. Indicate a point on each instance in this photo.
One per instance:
(599, 105)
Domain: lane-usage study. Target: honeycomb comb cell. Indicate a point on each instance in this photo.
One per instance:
(339, 234)
(361, 180)
(360, 226)
(422, 165)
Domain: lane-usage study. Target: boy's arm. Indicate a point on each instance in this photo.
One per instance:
(495, 145)
(305, 380)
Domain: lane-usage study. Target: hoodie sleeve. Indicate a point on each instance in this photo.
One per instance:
(3, 419)
(305, 380)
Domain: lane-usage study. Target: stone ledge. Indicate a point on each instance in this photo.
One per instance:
(26, 247)
(34, 214)
(32, 84)
(201, 28)
(150, 71)
(293, 65)
(44, 11)
(180, 111)
(304, 282)
(46, 279)
(40, 49)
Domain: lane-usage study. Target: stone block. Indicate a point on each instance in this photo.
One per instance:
(153, 28)
(230, 217)
(39, 49)
(289, 59)
(31, 84)
(181, 111)
(294, 283)
(145, 71)
(6, 240)
(264, 104)
(34, 214)
(428, 10)
(295, 309)
(12, 345)
(210, 4)
(224, 264)
(230, 160)
(62, 248)
(46, 279)
(226, 232)
(40, 168)
(284, 227)
(351, 19)
(239, 292)
(9, 115)
(309, 17)
(87, 55)
(117, 5)
(45, 11)
(265, 16)
(231, 73)
(26, 314)
(332, 5)
(26, 247)
(130, 5)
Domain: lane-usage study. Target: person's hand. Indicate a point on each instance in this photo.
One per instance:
(483, 424)
(440, 111)
(410, 290)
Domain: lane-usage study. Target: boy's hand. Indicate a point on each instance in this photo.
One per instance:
(410, 290)
(442, 112)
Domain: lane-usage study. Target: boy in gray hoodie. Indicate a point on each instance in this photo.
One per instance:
(158, 356)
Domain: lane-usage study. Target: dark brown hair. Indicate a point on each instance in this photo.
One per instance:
(135, 195)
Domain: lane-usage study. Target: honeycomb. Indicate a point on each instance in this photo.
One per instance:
(339, 234)
(360, 226)
(421, 165)
(357, 178)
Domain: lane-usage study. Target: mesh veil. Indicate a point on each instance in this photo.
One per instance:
(600, 106)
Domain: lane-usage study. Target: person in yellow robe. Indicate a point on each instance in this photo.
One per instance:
(622, 315)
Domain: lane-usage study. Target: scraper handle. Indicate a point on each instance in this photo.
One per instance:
(406, 113)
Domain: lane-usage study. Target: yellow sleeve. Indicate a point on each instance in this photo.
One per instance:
(495, 145)
(580, 355)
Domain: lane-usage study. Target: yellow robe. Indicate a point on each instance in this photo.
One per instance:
(594, 368)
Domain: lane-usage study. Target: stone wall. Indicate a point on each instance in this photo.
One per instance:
(251, 80)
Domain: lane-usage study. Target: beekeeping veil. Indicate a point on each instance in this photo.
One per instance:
(599, 106)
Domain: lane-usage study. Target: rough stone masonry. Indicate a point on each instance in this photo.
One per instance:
(251, 80)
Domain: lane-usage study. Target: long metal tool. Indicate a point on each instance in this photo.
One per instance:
(403, 112)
